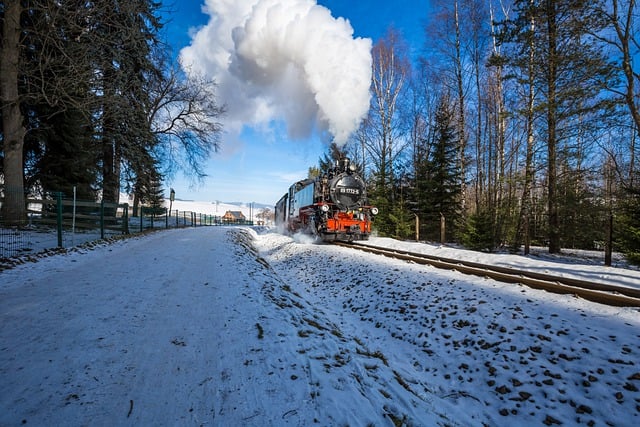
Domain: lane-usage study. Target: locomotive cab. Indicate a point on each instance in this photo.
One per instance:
(345, 214)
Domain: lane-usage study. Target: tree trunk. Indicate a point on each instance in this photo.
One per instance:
(522, 231)
(13, 208)
(110, 145)
(554, 218)
(461, 107)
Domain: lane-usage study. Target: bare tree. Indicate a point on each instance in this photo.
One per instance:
(390, 73)
(391, 70)
(620, 17)
(454, 29)
(184, 116)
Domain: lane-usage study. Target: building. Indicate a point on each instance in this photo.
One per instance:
(233, 216)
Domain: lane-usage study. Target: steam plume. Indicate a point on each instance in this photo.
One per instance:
(283, 59)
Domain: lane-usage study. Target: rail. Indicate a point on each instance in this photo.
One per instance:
(593, 291)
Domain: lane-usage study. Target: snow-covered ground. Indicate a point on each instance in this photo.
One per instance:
(233, 326)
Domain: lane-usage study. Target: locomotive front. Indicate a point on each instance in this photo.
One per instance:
(345, 215)
(347, 191)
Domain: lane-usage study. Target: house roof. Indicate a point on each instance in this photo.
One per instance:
(234, 214)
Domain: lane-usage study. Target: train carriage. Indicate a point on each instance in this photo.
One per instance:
(333, 206)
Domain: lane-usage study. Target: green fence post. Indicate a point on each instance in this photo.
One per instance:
(59, 217)
(102, 219)
(125, 219)
(141, 217)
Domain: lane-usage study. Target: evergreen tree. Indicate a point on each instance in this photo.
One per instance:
(89, 100)
(44, 70)
(69, 159)
(328, 160)
(438, 183)
(568, 74)
(129, 32)
(628, 226)
(155, 197)
(150, 194)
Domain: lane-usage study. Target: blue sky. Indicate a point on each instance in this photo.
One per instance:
(259, 161)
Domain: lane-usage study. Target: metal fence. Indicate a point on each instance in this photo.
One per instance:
(59, 222)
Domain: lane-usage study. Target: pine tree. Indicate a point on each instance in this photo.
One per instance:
(69, 159)
(438, 180)
(567, 72)
(128, 32)
(628, 230)
(150, 194)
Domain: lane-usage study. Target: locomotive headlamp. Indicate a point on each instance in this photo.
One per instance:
(325, 208)
(374, 211)
(352, 168)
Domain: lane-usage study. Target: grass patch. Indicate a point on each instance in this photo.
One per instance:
(376, 354)
(313, 323)
(260, 331)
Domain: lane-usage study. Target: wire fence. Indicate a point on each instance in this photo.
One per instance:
(59, 222)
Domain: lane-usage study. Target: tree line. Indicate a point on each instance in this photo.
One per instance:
(517, 125)
(93, 101)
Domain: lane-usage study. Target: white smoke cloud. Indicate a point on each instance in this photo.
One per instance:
(283, 60)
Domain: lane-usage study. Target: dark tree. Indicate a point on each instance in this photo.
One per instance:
(439, 178)
(69, 158)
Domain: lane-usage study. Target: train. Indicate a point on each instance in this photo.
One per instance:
(330, 207)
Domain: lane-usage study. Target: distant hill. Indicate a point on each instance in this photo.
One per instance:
(257, 206)
(217, 208)
(209, 208)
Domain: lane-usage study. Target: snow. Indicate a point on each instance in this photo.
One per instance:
(239, 326)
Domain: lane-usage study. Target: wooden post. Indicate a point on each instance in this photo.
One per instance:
(608, 246)
(442, 229)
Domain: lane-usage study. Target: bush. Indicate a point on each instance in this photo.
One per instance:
(478, 232)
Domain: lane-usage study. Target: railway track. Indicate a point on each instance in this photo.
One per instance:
(593, 291)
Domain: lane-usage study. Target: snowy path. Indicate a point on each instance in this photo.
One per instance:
(153, 331)
(226, 327)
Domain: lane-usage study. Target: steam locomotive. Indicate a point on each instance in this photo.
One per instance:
(331, 207)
